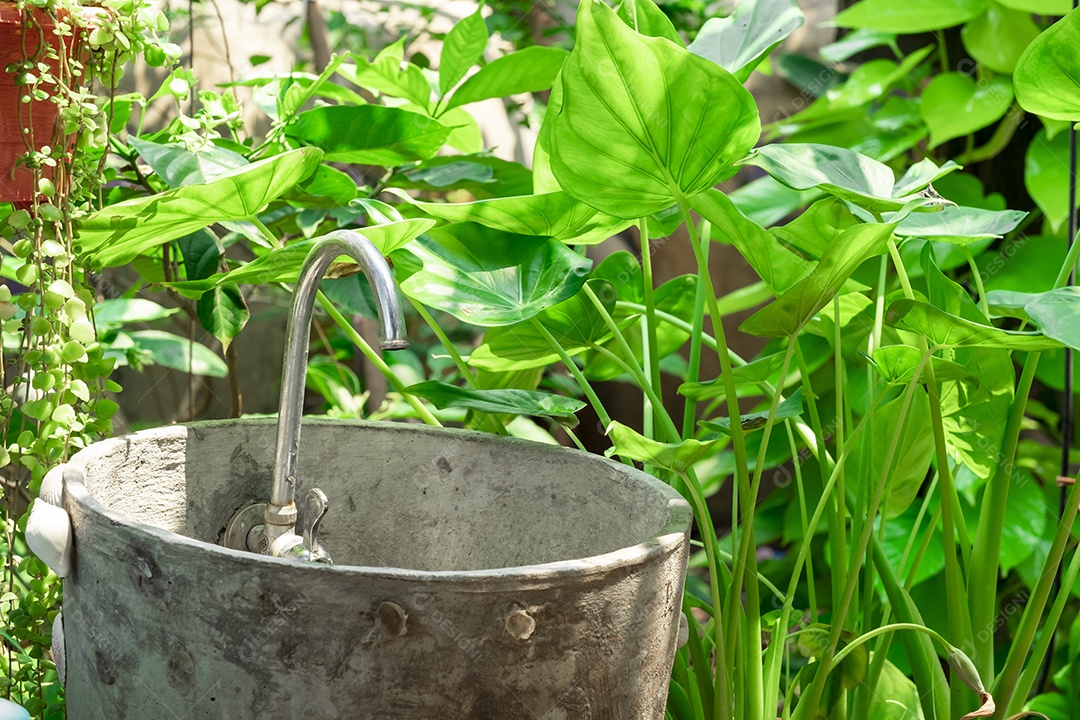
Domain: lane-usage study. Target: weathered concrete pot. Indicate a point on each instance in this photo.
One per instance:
(476, 577)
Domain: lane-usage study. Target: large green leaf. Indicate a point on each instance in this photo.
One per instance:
(499, 402)
(1026, 520)
(740, 41)
(896, 697)
(998, 37)
(845, 173)
(556, 215)
(1057, 313)
(178, 166)
(791, 407)
(788, 313)
(945, 330)
(283, 264)
(897, 365)
(532, 69)
(488, 277)
(910, 16)
(911, 459)
(1040, 7)
(972, 413)
(774, 263)
(369, 134)
(677, 457)
(483, 176)
(954, 105)
(121, 311)
(118, 233)
(1048, 73)
(463, 48)
(643, 121)
(575, 324)
(1046, 176)
(223, 313)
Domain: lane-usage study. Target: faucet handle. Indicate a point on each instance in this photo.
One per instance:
(315, 507)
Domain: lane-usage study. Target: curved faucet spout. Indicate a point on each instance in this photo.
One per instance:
(281, 511)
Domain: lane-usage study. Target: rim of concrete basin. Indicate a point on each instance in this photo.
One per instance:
(680, 515)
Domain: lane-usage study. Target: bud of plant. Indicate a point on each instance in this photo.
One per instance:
(961, 664)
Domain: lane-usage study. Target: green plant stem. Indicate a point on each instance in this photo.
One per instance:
(375, 359)
(463, 369)
(693, 371)
(871, 634)
(1003, 135)
(811, 585)
(838, 370)
(983, 568)
(976, 277)
(652, 353)
(1005, 684)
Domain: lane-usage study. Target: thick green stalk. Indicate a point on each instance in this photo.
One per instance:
(1005, 684)
(652, 353)
(693, 372)
(983, 570)
(568, 361)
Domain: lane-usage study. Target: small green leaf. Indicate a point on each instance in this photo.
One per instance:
(369, 134)
(677, 457)
(788, 313)
(389, 74)
(960, 225)
(486, 277)
(118, 233)
(789, 408)
(946, 330)
(909, 17)
(1048, 73)
(954, 105)
(998, 37)
(532, 69)
(223, 313)
(816, 228)
(499, 402)
(643, 121)
(739, 42)
(463, 48)
(1046, 176)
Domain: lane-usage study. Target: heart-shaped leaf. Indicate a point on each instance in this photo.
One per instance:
(499, 402)
(788, 313)
(945, 330)
(369, 134)
(643, 121)
(575, 324)
(488, 277)
(118, 233)
(1046, 176)
(910, 16)
(845, 173)
(998, 37)
(740, 41)
(954, 105)
(677, 457)
(897, 365)
(1048, 73)
(556, 215)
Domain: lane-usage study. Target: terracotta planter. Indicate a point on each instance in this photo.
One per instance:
(17, 183)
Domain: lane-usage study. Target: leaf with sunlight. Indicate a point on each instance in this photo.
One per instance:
(643, 121)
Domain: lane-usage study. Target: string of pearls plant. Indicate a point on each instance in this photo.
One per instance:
(54, 373)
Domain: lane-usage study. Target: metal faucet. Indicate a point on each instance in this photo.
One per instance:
(270, 528)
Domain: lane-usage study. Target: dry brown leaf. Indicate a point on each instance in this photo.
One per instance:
(987, 709)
